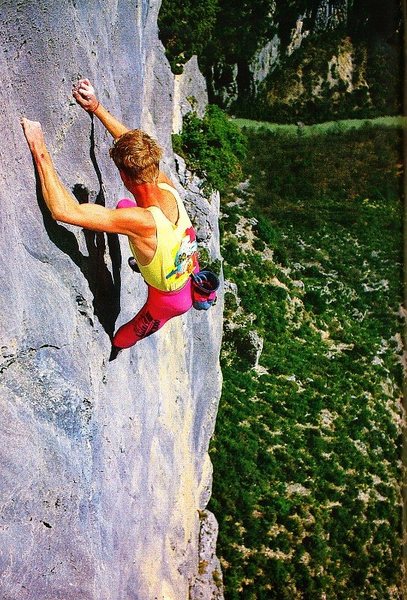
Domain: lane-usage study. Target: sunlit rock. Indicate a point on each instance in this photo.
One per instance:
(104, 466)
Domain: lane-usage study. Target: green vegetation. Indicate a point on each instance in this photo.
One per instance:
(231, 31)
(185, 28)
(216, 30)
(331, 76)
(350, 65)
(217, 578)
(326, 127)
(213, 147)
(306, 451)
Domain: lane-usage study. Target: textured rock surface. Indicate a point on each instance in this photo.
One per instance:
(103, 465)
(209, 580)
(265, 60)
(190, 93)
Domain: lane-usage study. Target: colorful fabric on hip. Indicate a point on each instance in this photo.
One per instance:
(159, 308)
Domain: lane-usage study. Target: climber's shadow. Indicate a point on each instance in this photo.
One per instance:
(103, 283)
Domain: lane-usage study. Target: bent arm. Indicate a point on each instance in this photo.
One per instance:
(128, 221)
(113, 125)
(84, 94)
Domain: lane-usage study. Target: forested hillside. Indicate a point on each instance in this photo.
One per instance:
(307, 447)
(307, 60)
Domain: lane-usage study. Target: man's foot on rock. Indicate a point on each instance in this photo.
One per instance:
(114, 353)
(133, 264)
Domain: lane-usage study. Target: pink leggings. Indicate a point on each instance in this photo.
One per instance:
(159, 308)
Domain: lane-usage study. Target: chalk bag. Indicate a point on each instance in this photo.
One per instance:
(204, 286)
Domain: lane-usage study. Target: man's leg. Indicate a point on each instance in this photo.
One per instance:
(159, 308)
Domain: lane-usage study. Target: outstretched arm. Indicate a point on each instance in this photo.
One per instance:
(84, 94)
(64, 207)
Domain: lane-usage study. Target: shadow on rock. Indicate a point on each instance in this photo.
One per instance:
(103, 283)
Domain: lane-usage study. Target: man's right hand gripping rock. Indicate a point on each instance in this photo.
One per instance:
(84, 94)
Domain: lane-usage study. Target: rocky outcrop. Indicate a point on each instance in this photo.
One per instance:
(209, 578)
(190, 93)
(104, 466)
(223, 78)
(265, 60)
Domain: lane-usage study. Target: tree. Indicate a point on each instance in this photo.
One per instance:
(185, 28)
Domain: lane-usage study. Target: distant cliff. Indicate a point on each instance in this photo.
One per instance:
(105, 474)
(308, 60)
(322, 60)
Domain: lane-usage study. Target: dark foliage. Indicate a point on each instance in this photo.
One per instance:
(213, 148)
(226, 35)
(306, 449)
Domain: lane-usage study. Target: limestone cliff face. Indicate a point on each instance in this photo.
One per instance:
(104, 466)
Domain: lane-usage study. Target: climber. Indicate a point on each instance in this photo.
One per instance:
(161, 237)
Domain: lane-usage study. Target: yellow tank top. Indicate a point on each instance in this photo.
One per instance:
(176, 255)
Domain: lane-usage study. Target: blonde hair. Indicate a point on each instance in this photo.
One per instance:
(137, 155)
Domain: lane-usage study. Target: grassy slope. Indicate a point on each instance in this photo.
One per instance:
(307, 447)
(320, 128)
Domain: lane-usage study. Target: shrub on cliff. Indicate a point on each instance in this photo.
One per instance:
(213, 148)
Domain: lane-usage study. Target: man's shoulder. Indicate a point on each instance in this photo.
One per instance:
(162, 178)
(140, 221)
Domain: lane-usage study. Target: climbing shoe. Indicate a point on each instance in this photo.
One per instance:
(114, 353)
(133, 264)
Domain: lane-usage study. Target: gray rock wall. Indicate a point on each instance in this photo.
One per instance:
(103, 465)
(190, 93)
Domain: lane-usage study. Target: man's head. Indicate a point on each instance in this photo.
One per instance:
(137, 156)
